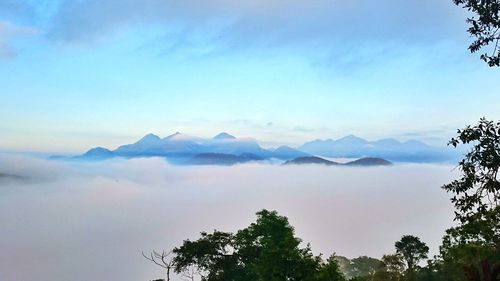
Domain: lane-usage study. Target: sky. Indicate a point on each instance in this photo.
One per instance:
(90, 220)
(84, 73)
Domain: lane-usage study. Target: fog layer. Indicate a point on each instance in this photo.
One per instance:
(90, 221)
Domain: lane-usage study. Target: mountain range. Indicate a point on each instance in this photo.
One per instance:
(226, 149)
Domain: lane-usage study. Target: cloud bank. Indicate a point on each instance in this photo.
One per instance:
(342, 31)
(90, 221)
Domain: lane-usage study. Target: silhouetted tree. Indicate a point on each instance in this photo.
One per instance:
(330, 271)
(267, 250)
(393, 266)
(472, 249)
(413, 251)
(484, 26)
(478, 190)
(162, 259)
(365, 267)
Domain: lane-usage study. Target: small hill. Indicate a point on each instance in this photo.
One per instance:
(98, 152)
(364, 162)
(369, 161)
(310, 160)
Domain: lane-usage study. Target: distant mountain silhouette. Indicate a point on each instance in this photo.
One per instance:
(98, 153)
(368, 161)
(310, 160)
(182, 148)
(355, 147)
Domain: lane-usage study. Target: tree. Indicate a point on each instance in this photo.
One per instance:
(330, 270)
(267, 250)
(484, 26)
(471, 250)
(364, 266)
(270, 248)
(161, 259)
(477, 192)
(213, 256)
(345, 266)
(393, 267)
(412, 250)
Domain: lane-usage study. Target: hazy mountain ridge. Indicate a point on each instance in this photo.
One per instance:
(225, 148)
(391, 149)
(365, 162)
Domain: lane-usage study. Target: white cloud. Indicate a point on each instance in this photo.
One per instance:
(90, 221)
(331, 27)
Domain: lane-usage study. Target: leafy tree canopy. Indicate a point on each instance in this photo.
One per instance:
(267, 250)
(412, 250)
(478, 190)
(485, 27)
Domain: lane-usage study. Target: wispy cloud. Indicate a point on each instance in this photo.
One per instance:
(323, 25)
(8, 33)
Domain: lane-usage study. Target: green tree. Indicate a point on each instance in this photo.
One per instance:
(330, 271)
(392, 269)
(344, 266)
(271, 250)
(471, 250)
(413, 251)
(213, 255)
(267, 250)
(478, 190)
(365, 267)
(484, 26)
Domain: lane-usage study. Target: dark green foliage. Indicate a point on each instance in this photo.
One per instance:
(271, 250)
(330, 271)
(412, 250)
(478, 190)
(365, 266)
(267, 250)
(484, 26)
(212, 253)
(360, 268)
(471, 250)
(392, 268)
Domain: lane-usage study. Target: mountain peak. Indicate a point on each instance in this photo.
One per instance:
(352, 139)
(285, 148)
(98, 152)
(224, 136)
(180, 137)
(150, 137)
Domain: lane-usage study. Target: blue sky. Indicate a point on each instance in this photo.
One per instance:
(77, 74)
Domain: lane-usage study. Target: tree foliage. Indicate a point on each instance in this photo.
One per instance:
(484, 26)
(267, 250)
(471, 250)
(330, 270)
(478, 190)
(412, 250)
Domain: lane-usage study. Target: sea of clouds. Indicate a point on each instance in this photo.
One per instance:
(86, 221)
